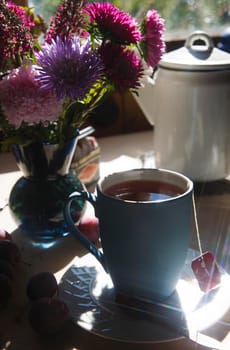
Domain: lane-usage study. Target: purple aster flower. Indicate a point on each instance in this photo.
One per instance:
(22, 99)
(123, 67)
(70, 68)
(153, 45)
(108, 22)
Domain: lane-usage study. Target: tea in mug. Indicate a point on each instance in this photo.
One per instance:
(143, 190)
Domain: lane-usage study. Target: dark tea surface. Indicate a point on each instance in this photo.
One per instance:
(143, 190)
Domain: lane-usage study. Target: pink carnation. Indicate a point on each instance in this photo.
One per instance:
(23, 100)
(153, 44)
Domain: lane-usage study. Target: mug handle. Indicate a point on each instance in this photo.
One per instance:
(90, 197)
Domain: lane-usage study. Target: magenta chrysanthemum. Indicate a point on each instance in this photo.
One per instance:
(70, 68)
(153, 44)
(123, 67)
(23, 100)
(110, 23)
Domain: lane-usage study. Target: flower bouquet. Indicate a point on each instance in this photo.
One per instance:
(50, 85)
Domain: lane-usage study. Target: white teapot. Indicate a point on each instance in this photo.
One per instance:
(189, 105)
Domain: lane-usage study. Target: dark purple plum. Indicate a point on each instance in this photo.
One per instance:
(42, 284)
(6, 269)
(10, 251)
(5, 290)
(48, 315)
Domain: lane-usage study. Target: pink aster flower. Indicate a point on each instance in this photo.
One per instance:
(153, 45)
(22, 99)
(110, 23)
(123, 67)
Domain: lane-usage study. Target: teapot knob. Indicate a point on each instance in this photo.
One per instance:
(199, 49)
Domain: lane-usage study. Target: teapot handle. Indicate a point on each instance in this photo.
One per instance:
(202, 36)
(90, 197)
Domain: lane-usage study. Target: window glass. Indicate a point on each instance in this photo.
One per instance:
(181, 16)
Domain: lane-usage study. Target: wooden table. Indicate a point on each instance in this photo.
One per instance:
(122, 151)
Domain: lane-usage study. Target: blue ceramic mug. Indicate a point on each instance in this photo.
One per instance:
(145, 222)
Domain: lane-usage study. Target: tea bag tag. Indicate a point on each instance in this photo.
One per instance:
(204, 266)
(206, 271)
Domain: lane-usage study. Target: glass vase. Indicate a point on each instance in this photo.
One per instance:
(37, 198)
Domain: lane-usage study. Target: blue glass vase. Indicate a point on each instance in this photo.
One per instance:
(37, 198)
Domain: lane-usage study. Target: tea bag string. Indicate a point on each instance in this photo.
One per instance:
(197, 226)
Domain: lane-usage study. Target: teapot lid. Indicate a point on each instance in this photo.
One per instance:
(197, 57)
